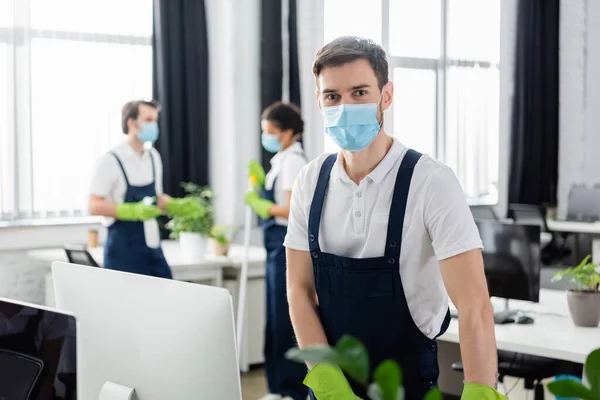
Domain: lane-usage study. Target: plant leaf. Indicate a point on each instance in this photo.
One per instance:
(315, 355)
(433, 394)
(353, 358)
(592, 371)
(571, 388)
(388, 377)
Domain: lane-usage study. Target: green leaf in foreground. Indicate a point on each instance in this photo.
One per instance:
(353, 358)
(434, 394)
(388, 377)
(592, 371)
(571, 388)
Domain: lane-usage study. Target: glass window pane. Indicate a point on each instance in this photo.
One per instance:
(415, 28)
(7, 160)
(352, 17)
(6, 13)
(78, 89)
(116, 17)
(472, 118)
(414, 108)
(474, 30)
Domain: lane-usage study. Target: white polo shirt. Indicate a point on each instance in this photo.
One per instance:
(52, 325)
(285, 166)
(437, 225)
(108, 180)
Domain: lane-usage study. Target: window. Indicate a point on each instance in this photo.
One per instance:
(63, 79)
(444, 57)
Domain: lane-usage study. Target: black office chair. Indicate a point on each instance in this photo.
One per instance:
(532, 369)
(78, 254)
(483, 212)
(19, 376)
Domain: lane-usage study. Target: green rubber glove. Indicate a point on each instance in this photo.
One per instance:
(329, 383)
(258, 204)
(184, 207)
(256, 170)
(475, 391)
(136, 211)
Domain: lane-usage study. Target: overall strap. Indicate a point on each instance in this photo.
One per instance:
(398, 209)
(153, 168)
(316, 207)
(121, 166)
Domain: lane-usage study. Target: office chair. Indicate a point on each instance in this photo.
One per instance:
(483, 212)
(532, 369)
(20, 374)
(78, 254)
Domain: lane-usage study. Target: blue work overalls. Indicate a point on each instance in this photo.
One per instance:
(284, 377)
(125, 248)
(365, 298)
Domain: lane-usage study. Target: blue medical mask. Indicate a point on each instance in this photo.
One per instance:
(352, 126)
(149, 132)
(270, 142)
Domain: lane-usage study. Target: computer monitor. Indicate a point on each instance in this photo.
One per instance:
(37, 352)
(511, 257)
(163, 339)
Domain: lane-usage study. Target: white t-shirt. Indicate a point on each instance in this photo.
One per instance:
(285, 166)
(52, 325)
(108, 180)
(437, 225)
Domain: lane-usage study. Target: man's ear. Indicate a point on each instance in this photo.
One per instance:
(387, 95)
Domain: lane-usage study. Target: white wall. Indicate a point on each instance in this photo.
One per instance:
(579, 98)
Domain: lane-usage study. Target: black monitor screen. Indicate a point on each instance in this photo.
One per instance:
(511, 256)
(37, 354)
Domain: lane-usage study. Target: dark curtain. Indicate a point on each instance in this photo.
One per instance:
(180, 62)
(271, 59)
(534, 139)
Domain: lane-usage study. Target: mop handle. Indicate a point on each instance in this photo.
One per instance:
(244, 275)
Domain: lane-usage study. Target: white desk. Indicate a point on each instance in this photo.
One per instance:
(552, 334)
(209, 268)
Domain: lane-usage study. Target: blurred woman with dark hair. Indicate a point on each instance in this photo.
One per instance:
(282, 127)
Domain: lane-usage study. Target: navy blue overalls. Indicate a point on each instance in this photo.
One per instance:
(125, 248)
(284, 377)
(365, 298)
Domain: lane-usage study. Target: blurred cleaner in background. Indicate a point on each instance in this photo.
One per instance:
(282, 127)
(127, 190)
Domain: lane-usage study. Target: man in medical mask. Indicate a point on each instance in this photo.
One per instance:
(127, 190)
(379, 235)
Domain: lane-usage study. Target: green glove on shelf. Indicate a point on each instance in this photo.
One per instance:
(184, 207)
(475, 391)
(256, 170)
(260, 206)
(329, 383)
(137, 211)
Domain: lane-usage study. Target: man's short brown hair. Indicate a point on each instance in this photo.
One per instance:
(132, 110)
(347, 49)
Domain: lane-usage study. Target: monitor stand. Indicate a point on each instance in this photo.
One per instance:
(506, 316)
(114, 391)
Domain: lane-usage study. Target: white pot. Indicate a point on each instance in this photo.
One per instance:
(193, 246)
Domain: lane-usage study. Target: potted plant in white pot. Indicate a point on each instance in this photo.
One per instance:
(220, 239)
(193, 230)
(584, 298)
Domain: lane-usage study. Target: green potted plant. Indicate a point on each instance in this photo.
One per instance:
(351, 356)
(567, 388)
(584, 297)
(193, 230)
(220, 239)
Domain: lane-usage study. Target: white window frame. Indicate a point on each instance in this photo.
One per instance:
(19, 37)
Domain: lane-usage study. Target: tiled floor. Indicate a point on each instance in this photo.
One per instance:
(254, 385)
